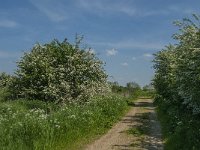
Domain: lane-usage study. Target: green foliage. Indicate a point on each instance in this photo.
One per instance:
(177, 84)
(22, 127)
(148, 91)
(137, 131)
(183, 130)
(131, 90)
(5, 81)
(59, 72)
(132, 85)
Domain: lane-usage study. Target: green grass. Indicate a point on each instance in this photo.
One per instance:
(179, 133)
(142, 128)
(137, 131)
(29, 125)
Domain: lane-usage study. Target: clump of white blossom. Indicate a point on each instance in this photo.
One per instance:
(60, 72)
(177, 75)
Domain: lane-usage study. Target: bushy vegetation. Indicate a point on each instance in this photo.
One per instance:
(29, 124)
(4, 82)
(57, 99)
(59, 72)
(132, 90)
(177, 84)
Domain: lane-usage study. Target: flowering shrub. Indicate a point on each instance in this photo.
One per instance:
(59, 72)
(177, 68)
(5, 81)
(177, 82)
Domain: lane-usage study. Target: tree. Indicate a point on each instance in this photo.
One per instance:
(177, 83)
(61, 72)
(5, 82)
(132, 85)
(133, 88)
(148, 87)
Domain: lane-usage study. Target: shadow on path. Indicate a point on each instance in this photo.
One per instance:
(144, 127)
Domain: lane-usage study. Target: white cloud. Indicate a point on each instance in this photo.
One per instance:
(111, 52)
(148, 55)
(128, 8)
(133, 58)
(54, 10)
(58, 11)
(124, 64)
(8, 23)
(168, 11)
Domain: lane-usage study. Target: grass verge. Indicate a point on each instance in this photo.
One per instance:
(28, 125)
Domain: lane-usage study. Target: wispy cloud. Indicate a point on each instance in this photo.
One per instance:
(104, 6)
(166, 11)
(148, 55)
(178, 9)
(6, 54)
(8, 23)
(133, 58)
(129, 8)
(111, 52)
(54, 10)
(124, 64)
(131, 44)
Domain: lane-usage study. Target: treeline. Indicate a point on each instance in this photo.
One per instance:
(132, 90)
(177, 82)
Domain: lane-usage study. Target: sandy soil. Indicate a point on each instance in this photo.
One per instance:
(143, 114)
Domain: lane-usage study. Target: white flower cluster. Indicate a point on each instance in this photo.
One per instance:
(60, 72)
(177, 76)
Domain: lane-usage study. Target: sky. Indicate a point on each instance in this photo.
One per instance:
(123, 33)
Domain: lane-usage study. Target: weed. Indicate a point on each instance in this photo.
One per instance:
(138, 131)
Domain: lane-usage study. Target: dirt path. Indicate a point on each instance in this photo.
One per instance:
(138, 130)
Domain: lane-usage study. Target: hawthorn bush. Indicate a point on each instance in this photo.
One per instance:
(177, 82)
(5, 82)
(59, 72)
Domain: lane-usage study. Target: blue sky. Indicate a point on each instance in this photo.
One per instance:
(123, 33)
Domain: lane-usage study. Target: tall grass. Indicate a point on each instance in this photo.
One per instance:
(36, 125)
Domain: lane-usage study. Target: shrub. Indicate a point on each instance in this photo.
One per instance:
(177, 84)
(5, 81)
(59, 72)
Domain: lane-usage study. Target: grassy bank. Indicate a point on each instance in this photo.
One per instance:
(36, 125)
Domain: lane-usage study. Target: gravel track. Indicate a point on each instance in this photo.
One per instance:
(117, 137)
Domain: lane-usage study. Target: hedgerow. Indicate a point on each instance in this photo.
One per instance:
(177, 82)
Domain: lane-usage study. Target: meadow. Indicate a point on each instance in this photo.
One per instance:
(44, 126)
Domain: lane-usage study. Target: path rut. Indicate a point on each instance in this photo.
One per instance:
(117, 138)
